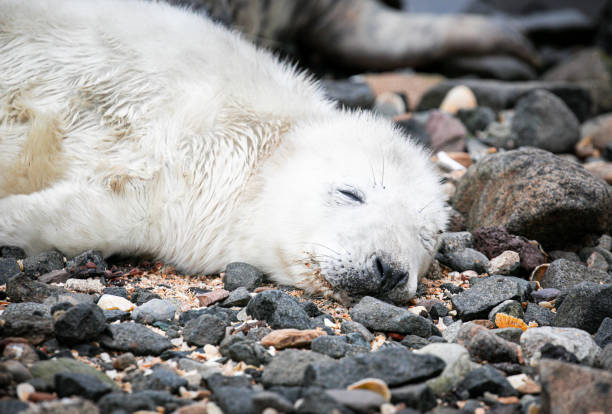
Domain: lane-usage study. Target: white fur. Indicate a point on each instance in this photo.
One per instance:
(138, 128)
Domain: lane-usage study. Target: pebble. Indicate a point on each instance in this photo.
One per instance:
(563, 274)
(250, 352)
(276, 372)
(43, 263)
(389, 105)
(466, 259)
(485, 379)
(29, 320)
(509, 334)
(417, 396)
(141, 296)
(349, 92)
(266, 399)
(8, 268)
(585, 306)
(88, 286)
(237, 297)
(543, 120)
(153, 311)
(569, 388)
(46, 370)
(112, 302)
(135, 338)
(116, 315)
(278, 309)
(455, 241)
(12, 252)
(124, 361)
(360, 401)
(549, 199)
(206, 329)
(538, 314)
(290, 338)
(83, 385)
(239, 274)
(446, 132)
(332, 346)
(603, 336)
(395, 366)
(573, 340)
(19, 373)
(605, 358)
(545, 295)
(476, 119)
(458, 365)
(477, 302)
(458, 98)
(380, 316)
(509, 307)
(160, 379)
(504, 264)
(116, 291)
(79, 324)
(484, 345)
(24, 288)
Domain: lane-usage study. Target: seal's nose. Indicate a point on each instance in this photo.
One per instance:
(389, 277)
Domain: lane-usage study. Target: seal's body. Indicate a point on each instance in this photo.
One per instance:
(138, 128)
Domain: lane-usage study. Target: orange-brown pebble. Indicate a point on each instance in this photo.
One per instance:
(217, 295)
(291, 338)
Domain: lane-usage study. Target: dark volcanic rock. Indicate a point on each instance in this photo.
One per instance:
(569, 388)
(238, 297)
(349, 93)
(333, 346)
(380, 316)
(24, 288)
(477, 302)
(124, 402)
(80, 323)
(28, 320)
(585, 306)
(244, 275)
(476, 119)
(251, 352)
(542, 120)
(539, 314)
(484, 379)
(418, 396)
(8, 269)
(135, 338)
(563, 274)
(278, 309)
(509, 307)
(141, 296)
(546, 294)
(454, 241)
(395, 366)
(206, 329)
(87, 264)
(545, 197)
(47, 370)
(12, 252)
(316, 401)
(43, 263)
(349, 327)
(493, 241)
(484, 345)
(466, 259)
(12, 406)
(267, 399)
(161, 379)
(502, 95)
(360, 401)
(276, 372)
(235, 400)
(603, 336)
(83, 385)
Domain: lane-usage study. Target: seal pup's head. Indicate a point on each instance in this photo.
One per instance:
(347, 205)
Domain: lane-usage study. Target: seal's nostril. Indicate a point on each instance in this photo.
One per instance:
(389, 276)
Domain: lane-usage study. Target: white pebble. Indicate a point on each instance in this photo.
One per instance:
(459, 97)
(112, 302)
(85, 285)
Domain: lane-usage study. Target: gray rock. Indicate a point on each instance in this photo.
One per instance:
(509, 334)
(17, 371)
(154, 310)
(380, 316)
(348, 327)
(483, 345)
(250, 352)
(315, 401)
(477, 302)
(538, 314)
(509, 307)
(458, 365)
(455, 241)
(135, 338)
(585, 306)
(500, 95)
(205, 370)
(563, 274)
(141, 296)
(278, 309)
(116, 291)
(161, 379)
(417, 396)
(239, 274)
(546, 294)
(485, 379)
(116, 315)
(570, 388)
(206, 329)
(79, 324)
(605, 358)
(10, 406)
(360, 401)
(46, 370)
(43, 263)
(28, 320)
(83, 385)
(124, 361)
(603, 336)
(349, 93)
(235, 400)
(395, 366)
(466, 259)
(414, 342)
(542, 120)
(476, 119)
(561, 254)
(12, 252)
(451, 331)
(237, 297)
(69, 297)
(8, 268)
(23, 288)
(266, 399)
(548, 198)
(124, 402)
(87, 264)
(576, 341)
(333, 346)
(276, 372)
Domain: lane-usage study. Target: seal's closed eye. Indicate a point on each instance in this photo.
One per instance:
(352, 194)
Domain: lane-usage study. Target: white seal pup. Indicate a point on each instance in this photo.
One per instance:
(138, 128)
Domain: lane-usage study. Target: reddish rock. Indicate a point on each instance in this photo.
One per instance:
(446, 133)
(493, 241)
